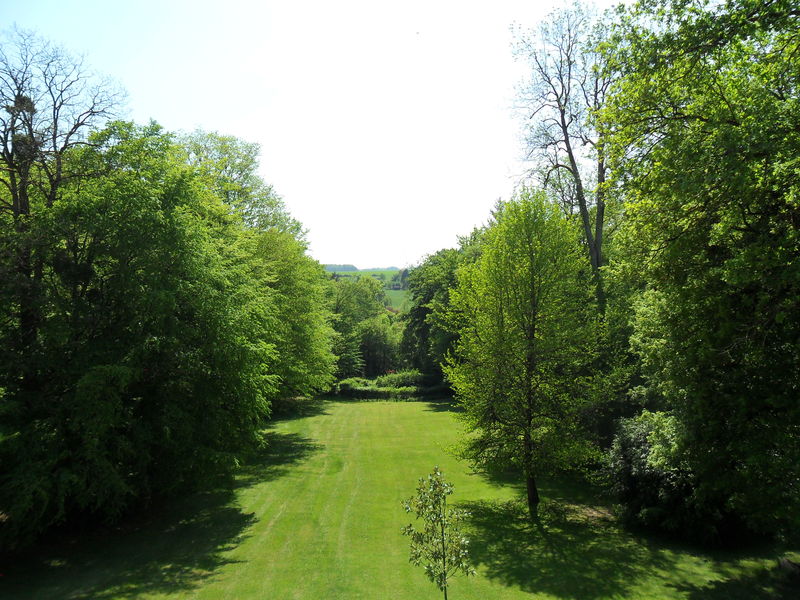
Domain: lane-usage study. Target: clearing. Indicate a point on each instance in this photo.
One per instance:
(319, 516)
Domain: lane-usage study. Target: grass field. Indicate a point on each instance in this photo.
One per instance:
(319, 517)
(398, 298)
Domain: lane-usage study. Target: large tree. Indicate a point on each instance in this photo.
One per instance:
(705, 129)
(524, 319)
(49, 101)
(567, 85)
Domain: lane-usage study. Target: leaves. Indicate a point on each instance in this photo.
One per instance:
(439, 546)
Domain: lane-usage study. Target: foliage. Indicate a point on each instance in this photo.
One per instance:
(425, 340)
(402, 378)
(147, 319)
(650, 476)
(230, 166)
(705, 141)
(401, 385)
(367, 337)
(380, 342)
(302, 330)
(524, 317)
(439, 545)
(427, 337)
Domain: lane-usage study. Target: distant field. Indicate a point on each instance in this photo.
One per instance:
(387, 273)
(398, 298)
(318, 516)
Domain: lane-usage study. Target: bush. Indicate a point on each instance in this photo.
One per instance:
(401, 379)
(356, 387)
(654, 485)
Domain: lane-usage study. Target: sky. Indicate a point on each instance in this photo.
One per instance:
(389, 128)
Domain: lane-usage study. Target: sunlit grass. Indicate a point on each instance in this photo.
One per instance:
(319, 517)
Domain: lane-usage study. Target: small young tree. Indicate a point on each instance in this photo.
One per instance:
(439, 545)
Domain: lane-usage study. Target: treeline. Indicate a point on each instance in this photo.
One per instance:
(633, 312)
(155, 299)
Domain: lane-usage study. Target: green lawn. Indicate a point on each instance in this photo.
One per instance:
(319, 517)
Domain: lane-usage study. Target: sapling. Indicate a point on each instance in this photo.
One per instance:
(439, 546)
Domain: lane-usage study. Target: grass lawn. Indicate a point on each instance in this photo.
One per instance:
(319, 517)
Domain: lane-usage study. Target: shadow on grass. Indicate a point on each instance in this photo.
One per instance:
(287, 409)
(173, 549)
(572, 552)
(446, 404)
(280, 453)
(171, 553)
(761, 584)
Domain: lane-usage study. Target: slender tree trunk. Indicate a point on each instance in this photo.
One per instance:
(444, 548)
(599, 222)
(530, 480)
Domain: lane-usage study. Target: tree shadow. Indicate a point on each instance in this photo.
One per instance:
(279, 453)
(446, 404)
(287, 409)
(172, 549)
(573, 551)
(173, 552)
(761, 584)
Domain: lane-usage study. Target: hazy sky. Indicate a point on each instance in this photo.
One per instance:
(387, 127)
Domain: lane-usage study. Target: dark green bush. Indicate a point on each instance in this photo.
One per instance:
(655, 487)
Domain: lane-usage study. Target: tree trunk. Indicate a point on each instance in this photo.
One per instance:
(533, 496)
(530, 481)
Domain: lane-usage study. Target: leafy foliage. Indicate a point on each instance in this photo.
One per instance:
(650, 476)
(525, 324)
(158, 326)
(439, 546)
(705, 139)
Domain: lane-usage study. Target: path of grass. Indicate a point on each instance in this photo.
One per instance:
(319, 517)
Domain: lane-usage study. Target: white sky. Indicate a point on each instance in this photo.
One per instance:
(387, 127)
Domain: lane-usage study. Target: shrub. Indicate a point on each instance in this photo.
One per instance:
(654, 485)
(401, 379)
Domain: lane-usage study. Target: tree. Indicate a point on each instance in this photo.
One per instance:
(425, 338)
(380, 341)
(568, 86)
(294, 282)
(705, 130)
(231, 166)
(440, 546)
(49, 102)
(155, 338)
(355, 301)
(523, 316)
(296, 285)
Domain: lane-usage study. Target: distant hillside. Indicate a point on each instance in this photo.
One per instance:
(343, 268)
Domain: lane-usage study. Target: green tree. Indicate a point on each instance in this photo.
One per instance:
(231, 166)
(523, 315)
(380, 342)
(290, 280)
(705, 125)
(153, 335)
(48, 105)
(354, 302)
(302, 332)
(426, 338)
(440, 545)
